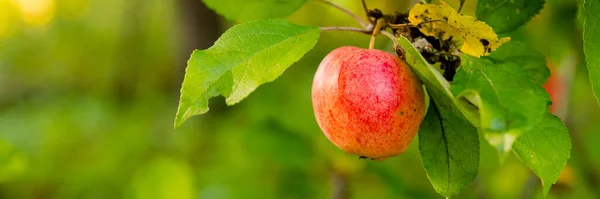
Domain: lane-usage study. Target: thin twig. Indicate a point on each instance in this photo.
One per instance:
(364, 4)
(362, 22)
(391, 25)
(351, 29)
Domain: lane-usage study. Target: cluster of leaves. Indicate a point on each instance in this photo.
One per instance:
(496, 92)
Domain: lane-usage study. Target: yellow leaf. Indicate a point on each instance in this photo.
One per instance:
(442, 21)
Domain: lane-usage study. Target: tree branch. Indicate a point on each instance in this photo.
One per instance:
(364, 4)
(362, 22)
(351, 29)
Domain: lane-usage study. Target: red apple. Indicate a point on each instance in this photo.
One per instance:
(367, 102)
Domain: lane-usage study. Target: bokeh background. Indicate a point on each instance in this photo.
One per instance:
(89, 90)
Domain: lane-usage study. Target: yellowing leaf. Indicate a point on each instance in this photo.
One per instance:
(442, 21)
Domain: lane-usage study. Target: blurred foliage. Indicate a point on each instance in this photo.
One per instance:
(89, 90)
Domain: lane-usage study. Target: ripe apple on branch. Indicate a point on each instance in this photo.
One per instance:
(448, 82)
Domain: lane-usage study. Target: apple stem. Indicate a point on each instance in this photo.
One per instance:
(375, 32)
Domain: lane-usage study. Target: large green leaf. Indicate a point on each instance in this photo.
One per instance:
(591, 42)
(246, 56)
(241, 11)
(449, 147)
(448, 142)
(507, 15)
(509, 102)
(545, 149)
(528, 58)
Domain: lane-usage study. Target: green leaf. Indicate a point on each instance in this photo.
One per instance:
(445, 136)
(509, 102)
(431, 78)
(246, 56)
(591, 42)
(507, 15)
(241, 11)
(449, 147)
(545, 149)
(528, 58)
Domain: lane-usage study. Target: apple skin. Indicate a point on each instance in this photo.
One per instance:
(368, 102)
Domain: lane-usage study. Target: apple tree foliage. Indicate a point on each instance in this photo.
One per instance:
(499, 96)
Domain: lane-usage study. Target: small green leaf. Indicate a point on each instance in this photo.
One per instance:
(241, 11)
(246, 56)
(545, 149)
(525, 56)
(509, 102)
(507, 15)
(449, 147)
(591, 42)
(459, 151)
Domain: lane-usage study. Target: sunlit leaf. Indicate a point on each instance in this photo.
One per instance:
(246, 56)
(545, 149)
(509, 102)
(241, 11)
(591, 42)
(506, 16)
(444, 22)
(449, 147)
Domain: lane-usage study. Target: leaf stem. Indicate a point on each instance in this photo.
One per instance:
(350, 29)
(375, 32)
(389, 35)
(362, 22)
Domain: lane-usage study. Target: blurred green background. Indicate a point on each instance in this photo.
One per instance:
(89, 90)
